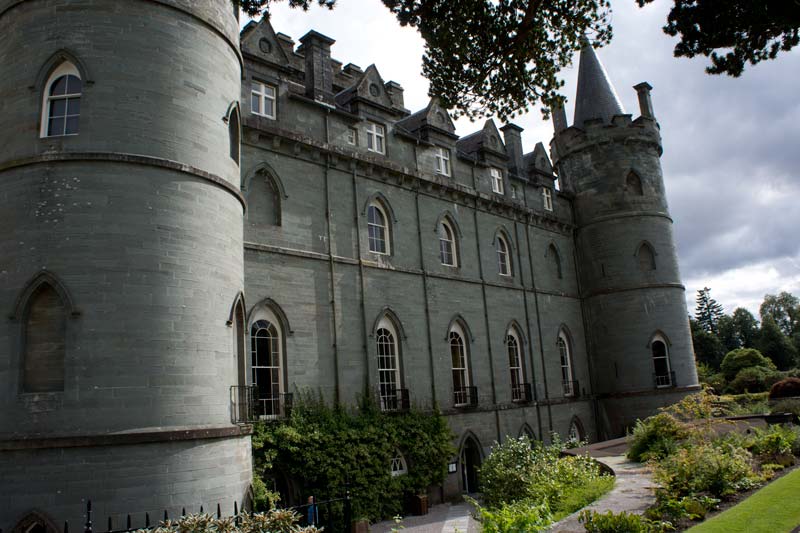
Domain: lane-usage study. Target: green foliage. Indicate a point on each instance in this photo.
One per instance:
(322, 447)
(737, 360)
(753, 379)
(692, 407)
(786, 406)
(784, 310)
(522, 516)
(707, 311)
(742, 404)
(708, 348)
(772, 441)
(623, 522)
(785, 388)
(704, 468)
(656, 437)
(745, 327)
(674, 509)
(726, 333)
(580, 496)
(774, 344)
(517, 470)
(273, 521)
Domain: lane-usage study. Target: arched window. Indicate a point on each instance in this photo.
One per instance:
(569, 386)
(662, 374)
(377, 229)
(448, 252)
(575, 434)
(518, 392)
(462, 392)
(633, 184)
(389, 382)
(555, 260)
(647, 257)
(264, 201)
(398, 466)
(45, 326)
(62, 102)
(266, 347)
(234, 134)
(503, 256)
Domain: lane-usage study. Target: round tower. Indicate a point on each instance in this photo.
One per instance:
(634, 304)
(121, 260)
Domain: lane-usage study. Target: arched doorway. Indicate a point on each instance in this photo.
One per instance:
(34, 522)
(470, 463)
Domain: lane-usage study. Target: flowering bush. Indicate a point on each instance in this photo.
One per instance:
(274, 521)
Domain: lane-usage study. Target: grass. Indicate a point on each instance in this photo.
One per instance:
(773, 509)
(581, 496)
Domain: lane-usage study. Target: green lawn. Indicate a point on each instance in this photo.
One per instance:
(773, 509)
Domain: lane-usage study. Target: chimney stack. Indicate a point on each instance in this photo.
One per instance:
(645, 103)
(513, 139)
(319, 72)
(559, 119)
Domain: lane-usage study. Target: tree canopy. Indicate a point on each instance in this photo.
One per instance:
(708, 312)
(499, 57)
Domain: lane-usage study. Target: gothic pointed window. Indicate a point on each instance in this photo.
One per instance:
(264, 201)
(398, 466)
(234, 135)
(45, 324)
(633, 185)
(555, 261)
(518, 392)
(575, 435)
(266, 363)
(377, 229)
(447, 244)
(647, 258)
(662, 374)
(503, 256)
(389, 383)
(460, 371)
(568, 385)
(62, 102)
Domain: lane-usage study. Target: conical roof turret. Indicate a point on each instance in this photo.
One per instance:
(596, 97)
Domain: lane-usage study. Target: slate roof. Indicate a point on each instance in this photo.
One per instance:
(596, 97)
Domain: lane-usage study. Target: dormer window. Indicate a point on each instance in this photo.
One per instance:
(442, 156)
(376, 137)
(62, 102)
(262, 102)
(497, 180)
(547, 199)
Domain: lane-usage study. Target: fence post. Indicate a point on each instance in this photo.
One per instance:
(348, 510)
(88, 528)
(219, 512)
(109, 524)
(66, 527)
(128, 523)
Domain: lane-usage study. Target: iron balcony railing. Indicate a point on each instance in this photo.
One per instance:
(465, 397)
(242, 404)
(273, 406)
(395, 400)
(663, 381)
(522, 393)
(571, 388)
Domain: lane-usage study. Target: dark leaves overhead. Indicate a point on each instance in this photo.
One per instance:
(749, 30)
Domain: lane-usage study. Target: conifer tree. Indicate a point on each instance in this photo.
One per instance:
(708, 311)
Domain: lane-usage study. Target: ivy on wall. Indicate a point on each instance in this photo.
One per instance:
(323, 449)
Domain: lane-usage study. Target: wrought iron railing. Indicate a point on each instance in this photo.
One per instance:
(242, 403)
(663, 381)
(465, 397)
(571, 389)
(273, 406)
(395, 400)
(522, 393)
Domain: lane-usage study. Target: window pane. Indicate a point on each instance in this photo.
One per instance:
(255, 103)
(56, 127)
(72, 126)
(59, 87)
(73, 85)
(662, 369)
(58, 108)
(269, 107)
(269, 90)
(73, 106)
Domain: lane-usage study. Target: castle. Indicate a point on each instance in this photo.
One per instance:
(188, 211)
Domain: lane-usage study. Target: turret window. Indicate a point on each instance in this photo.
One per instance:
(647, 258)
(62, 104)
(633, 185)
(234, 134)
(662, 374)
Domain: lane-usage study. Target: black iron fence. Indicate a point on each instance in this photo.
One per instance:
(335, 514)
(522, 393)
(465, 397)
(664, 380)
(249, 404)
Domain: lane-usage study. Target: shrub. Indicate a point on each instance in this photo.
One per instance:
(692, 407)
(772, 441)
(619, 523)
(274, 521)
(522, 516)
(753, 379)
(742, 358)
(580, 496)
(656, 437)
(786, 406)
(785, 388)
(672, 509)
(704, 468)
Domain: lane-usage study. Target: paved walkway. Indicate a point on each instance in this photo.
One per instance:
(632, 492)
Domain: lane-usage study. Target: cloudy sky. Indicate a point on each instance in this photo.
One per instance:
(731, 146)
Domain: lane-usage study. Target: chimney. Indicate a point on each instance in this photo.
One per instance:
(513, 139)
(645, 103)
(395, 91)
(559, 119)
(319, 69)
